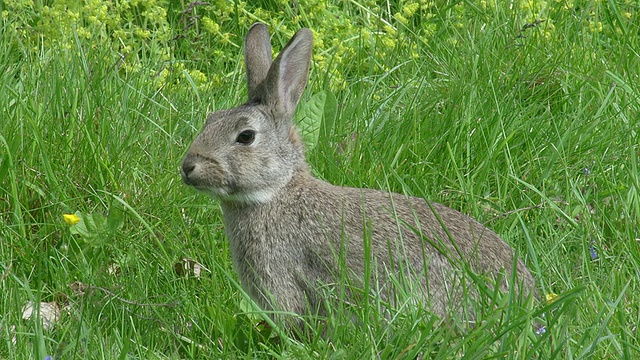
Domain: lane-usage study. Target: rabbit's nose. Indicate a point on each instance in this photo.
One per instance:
(188, 165)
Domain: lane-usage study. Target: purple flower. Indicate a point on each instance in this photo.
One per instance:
(592, 251)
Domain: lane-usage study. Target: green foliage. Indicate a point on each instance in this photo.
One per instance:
(316, 117)
(523, 114)
(201, 41)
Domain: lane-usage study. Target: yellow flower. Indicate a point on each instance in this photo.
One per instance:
(400, 18)
(198, 76)
(551, 297)
(595, 26)
(143, 33)
(410, 9)
(71, 219)
(210, 25)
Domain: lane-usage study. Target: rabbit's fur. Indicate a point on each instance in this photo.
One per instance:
(290, 233)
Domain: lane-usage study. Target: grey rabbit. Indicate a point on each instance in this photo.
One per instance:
(290, 233)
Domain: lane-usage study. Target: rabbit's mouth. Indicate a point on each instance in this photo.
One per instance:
(217, 193)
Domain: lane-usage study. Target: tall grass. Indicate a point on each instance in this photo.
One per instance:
(529, 128)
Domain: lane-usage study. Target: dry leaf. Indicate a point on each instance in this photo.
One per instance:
(78, 288)
(49, 313)
(188, 267)
(113, 269)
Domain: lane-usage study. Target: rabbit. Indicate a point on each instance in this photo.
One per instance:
(290, 233)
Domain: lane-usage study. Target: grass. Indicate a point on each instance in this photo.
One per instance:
(534, 134)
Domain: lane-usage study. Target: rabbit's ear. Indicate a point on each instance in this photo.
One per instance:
(257, 59)
(289, 74)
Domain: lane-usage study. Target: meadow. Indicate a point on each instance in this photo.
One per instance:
(522, 114)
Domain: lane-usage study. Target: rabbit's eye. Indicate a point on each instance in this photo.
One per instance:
(246, 137)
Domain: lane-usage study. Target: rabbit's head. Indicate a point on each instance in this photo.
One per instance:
(248, 153)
